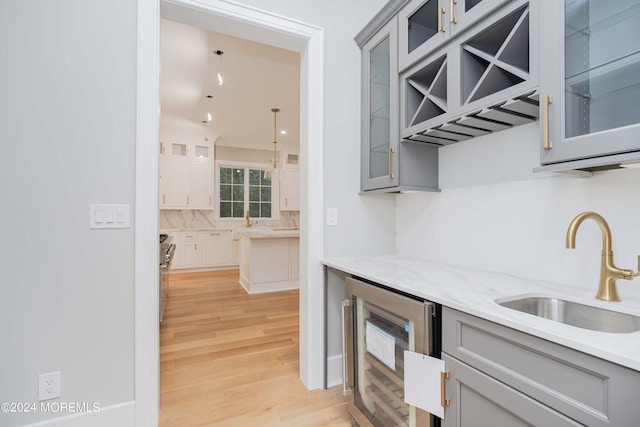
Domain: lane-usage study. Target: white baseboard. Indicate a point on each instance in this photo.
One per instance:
(334, 371)
(121, 415)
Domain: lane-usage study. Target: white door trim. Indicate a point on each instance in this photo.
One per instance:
(250, 23)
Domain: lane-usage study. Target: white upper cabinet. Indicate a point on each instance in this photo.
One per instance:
(186, 176)
(290, 182)
(590, 83)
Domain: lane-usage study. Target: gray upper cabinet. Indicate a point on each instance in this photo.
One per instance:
(590, 84)
(424, 25)
(388, 165)
(379, 109)
(484, 79)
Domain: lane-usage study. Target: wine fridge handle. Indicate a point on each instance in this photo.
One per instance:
(346, 387)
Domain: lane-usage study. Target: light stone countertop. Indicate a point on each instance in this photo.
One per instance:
(474, 292)
(266, 233)
(192, 230)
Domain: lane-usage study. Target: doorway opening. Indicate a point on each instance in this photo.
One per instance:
(252, 24)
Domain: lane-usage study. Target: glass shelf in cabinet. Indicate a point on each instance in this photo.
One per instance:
(605, 69)
(603, 24)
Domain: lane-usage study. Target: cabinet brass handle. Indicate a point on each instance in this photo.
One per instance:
(546, 142)
(452, 4)
(187, 199)
(347, 389)
(195, 246)
(209, 200)
(444, 402)
(286, 201)
(391, 151)
(164, 197)
(440, 24)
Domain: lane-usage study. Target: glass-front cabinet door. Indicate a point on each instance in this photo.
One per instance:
(590, 81)
(380, 105)
(424, 25)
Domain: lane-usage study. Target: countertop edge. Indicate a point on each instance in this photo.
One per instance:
(616, 348)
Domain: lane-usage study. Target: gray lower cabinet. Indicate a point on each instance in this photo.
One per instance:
(504, 377)
(481, 401)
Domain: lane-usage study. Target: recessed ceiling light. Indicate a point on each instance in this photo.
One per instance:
(283, 132)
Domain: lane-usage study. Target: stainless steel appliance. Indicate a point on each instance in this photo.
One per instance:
(378, 325)
(167, 250)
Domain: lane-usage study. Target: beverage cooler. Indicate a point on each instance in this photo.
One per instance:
(378, 326)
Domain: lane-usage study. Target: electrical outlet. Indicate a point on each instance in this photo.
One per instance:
(49, 386)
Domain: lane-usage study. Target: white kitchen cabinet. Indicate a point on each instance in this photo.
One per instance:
(590, 84)
(163, 180)
(290, 189)
(190, 253)
(187, 176)
(179, 182)
(203, 250)
(202, 173)
(216, 247)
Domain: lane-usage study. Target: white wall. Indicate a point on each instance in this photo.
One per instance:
(67, 126)
(358, 215)
(494, 213)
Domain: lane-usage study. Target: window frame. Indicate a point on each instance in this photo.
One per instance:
(275, 187)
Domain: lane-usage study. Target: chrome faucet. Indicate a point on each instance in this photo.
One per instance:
(609, 273)
(248, 222)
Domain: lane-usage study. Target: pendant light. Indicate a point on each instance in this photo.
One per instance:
(268, 174)
(219, 53)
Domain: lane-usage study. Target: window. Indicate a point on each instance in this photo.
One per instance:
(244, 188)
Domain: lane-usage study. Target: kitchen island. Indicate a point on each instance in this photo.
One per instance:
(269, 259)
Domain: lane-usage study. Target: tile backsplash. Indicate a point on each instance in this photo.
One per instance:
(190, 219)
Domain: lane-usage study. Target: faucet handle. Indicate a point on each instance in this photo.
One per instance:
(637, 273)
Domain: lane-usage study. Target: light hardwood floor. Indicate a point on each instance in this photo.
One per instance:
(231, 359)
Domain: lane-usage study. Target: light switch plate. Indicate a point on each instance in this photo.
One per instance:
(332, 216)
(109, 216)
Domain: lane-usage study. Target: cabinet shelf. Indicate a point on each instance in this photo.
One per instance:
(606, 69)
(605, 24)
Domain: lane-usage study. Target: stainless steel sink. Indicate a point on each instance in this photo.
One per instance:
(575, 314)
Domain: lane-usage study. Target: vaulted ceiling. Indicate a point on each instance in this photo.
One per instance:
(257, 78)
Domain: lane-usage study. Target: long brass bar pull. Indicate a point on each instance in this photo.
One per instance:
(391, 151)
(444, 402)
(346, 389)
(452, 11)
(546, 142)
(440, 24)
